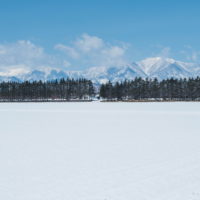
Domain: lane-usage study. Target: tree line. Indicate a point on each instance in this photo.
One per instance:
(68, 89)
(83, 89)
(148, 89)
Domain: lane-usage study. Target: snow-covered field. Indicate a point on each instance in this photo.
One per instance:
(100, 151)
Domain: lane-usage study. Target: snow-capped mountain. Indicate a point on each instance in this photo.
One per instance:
(156, 67)
(163, 68)
(104, 74)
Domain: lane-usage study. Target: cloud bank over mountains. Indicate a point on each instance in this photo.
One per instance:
(100, 60)
(94, 51)
(88, 51)
(23, 56)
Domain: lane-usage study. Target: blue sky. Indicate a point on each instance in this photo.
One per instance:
(142, 28)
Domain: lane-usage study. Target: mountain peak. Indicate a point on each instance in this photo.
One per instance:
(153, 67)
(152, 64)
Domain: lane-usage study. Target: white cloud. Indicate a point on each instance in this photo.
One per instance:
(165, 52)
(68, 50)
(23, 56)
(14, 71)
(85, 51)
(114, 51)
(21, 52)
(94, 51)
(193, 56)
(88, 43)
(2, 51)
(190, 54)
(66, 63)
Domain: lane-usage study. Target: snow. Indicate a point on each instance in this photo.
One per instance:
(163, 68)
(151, 64)
(99, 151)
(159, 67)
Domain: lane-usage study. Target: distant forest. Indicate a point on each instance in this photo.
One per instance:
(84, 90)
(148, 89)
(57, 90)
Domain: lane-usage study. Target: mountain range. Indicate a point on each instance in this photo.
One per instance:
(156, 67)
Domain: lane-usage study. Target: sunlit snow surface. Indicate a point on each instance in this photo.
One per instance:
(100, 151)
